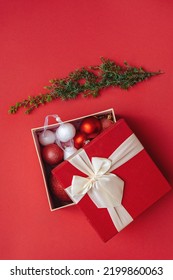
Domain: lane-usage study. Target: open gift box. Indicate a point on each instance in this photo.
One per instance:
(54, 201)
(112, 179)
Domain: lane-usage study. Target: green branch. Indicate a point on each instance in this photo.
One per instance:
(88, 81)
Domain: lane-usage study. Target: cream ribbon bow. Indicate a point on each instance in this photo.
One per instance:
(104, 188)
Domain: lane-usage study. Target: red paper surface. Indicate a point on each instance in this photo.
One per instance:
(144, 183)
(44, 39)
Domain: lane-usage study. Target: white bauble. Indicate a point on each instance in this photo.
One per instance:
(47, 137)
(69, 151)
(65, 132)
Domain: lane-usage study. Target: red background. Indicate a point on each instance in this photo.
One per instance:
(44, 39)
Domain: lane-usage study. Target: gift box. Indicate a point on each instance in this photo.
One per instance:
(112, 179)
(55, 203)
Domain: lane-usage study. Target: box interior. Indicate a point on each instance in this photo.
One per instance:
(54, 202)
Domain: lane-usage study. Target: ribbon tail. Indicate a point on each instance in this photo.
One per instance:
(120, 217)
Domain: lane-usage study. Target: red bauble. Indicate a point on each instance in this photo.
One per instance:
(79, 140)
(58, 190)
(105, 123)
(91, 126)
(52, 154)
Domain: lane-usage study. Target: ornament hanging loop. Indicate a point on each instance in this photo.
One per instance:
(46, 121)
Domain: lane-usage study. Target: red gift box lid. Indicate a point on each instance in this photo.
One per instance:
(144, 184)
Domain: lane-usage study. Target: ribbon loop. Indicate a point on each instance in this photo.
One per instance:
(100, 165)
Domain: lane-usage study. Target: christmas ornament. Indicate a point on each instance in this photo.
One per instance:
(58, 190)
(47, 137)
(80, 139)
(68, 148)
(91, 126)
(68, 151)
(65, 132)
(105, 123)
(52, 154)
(96, 78)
